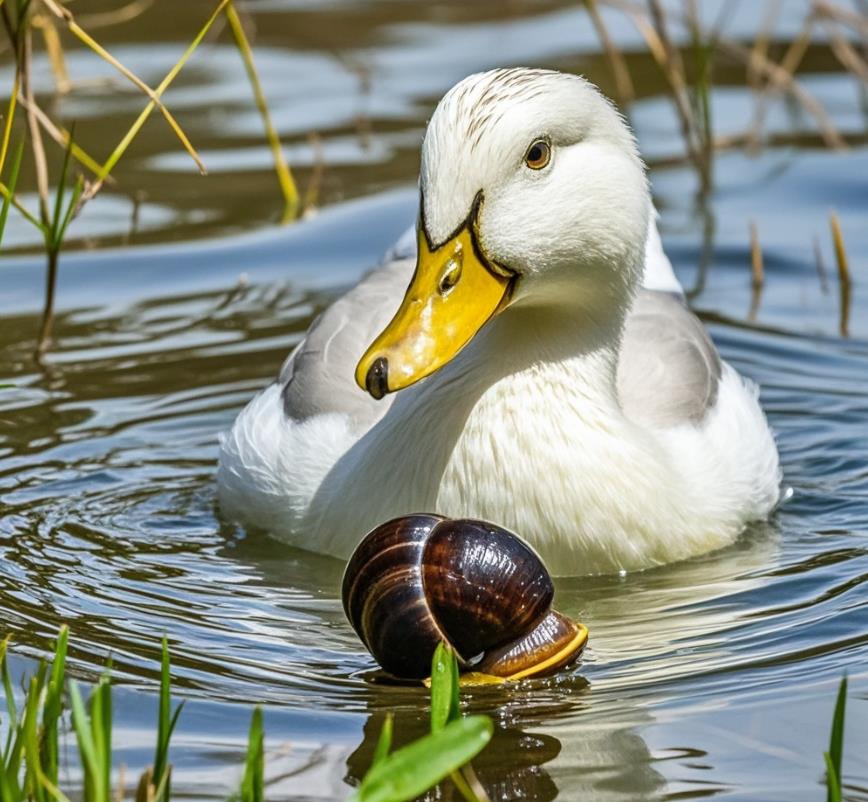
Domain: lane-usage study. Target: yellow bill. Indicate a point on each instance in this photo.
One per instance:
(452, 295)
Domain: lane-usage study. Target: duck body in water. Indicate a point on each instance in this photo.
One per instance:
(542, 370)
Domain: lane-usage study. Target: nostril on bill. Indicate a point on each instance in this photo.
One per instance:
(377, 380)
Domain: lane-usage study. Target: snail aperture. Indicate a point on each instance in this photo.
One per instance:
(421, 579)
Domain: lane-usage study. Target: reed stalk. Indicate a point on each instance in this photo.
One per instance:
(840, 250)
(284, 177)
(756, 258)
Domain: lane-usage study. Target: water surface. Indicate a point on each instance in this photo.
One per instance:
(710, 677)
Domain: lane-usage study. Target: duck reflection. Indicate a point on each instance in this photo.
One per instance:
(526, 760)
(509, 768)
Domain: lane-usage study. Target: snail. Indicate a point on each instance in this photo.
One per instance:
(421, 579)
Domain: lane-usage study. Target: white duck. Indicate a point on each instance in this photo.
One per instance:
(568, 393)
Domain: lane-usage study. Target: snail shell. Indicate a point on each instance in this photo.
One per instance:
(421, 579)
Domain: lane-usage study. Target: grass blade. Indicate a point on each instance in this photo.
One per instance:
(100, 725)
(71, 209)
(86, 747)
(840, 250)
(415, 768)
(54, 49)
(7, 685)
(62, 137)
(32, 765)
(58, 199)
(10, 116)
(253, 783)
(836, 744)
(164, 714)
(166, 721)
(13, 182)
(284, 177)
(833, 784)
(444, 688)
(23, 210)
(104, 723)
(53, 708)
(85, 38)
(134, 129)
(384, 742)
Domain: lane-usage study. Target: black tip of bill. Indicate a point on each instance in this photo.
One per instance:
(377, 380)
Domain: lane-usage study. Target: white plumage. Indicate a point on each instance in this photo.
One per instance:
(592, 416)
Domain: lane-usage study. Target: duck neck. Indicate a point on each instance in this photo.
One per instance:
(558, 348)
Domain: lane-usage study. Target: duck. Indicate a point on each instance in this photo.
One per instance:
(525, 356)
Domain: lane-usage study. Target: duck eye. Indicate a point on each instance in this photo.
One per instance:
(538, 155)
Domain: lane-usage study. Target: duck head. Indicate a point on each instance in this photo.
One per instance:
(532, 193)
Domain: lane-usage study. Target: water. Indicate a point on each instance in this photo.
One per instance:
(710, 677)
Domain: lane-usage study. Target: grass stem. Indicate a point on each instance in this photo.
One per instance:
(623, 82)
(122, 146)
(840, 249)
(83, 36)
(284, 177)
(756, 258)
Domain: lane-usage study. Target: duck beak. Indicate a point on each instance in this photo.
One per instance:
(454, 292)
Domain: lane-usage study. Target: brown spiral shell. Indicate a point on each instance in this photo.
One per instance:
(421, 579)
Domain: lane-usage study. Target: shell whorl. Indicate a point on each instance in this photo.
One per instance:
(382, 595)
(475, 571)
(421, 579)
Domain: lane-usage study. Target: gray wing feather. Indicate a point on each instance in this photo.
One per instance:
(318, 376)
(669, 369)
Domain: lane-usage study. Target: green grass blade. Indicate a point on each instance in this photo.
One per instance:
(836, 740)
(32, 765)
(7, 791)
(13, 181)
(97, 716)
(166, 721)
(61, 188)
(53, 708)
(10, 765)
(18, 744)
(833, 784)
(444, 688)
(413, 769)
(22, 209)
(253, 783)
(10, 116)
(70, 209)
(11, 709)
(164, 714)
(105, 724)
(86, 747)
(384, 742)
(94, 793)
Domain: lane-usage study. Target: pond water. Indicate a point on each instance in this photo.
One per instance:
(710, 677)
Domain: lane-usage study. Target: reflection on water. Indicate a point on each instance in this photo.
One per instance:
(511, 768)
(713, 676)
